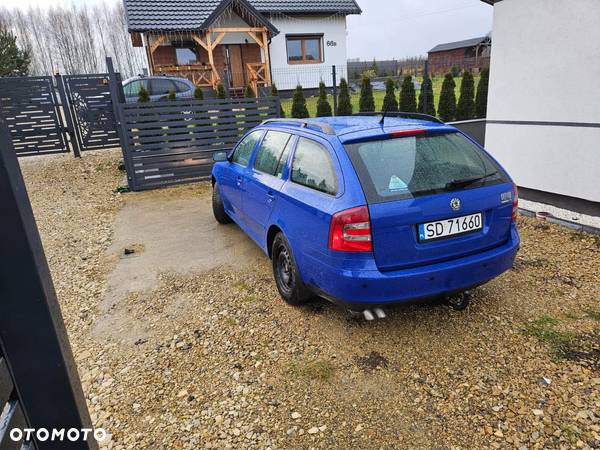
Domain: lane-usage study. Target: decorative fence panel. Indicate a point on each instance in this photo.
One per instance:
(30, 108)
(171, 142)
(91, 107)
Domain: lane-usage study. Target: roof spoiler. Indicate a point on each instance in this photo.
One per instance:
(401, 115)
(323, 127)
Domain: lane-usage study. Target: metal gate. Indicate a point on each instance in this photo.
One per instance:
(92, 111)
(31, 109)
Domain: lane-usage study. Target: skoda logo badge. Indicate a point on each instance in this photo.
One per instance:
(455, 204)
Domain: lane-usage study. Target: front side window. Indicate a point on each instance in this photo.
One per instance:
(312, 167)
(270, 152)
(408, 167)
(304, 49)
(181, 86)
(243, 151)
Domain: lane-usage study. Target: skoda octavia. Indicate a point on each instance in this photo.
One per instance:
(366, 211)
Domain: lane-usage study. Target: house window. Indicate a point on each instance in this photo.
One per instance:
(185, 56)
(306, 49)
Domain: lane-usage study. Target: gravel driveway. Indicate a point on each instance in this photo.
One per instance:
(206, 355)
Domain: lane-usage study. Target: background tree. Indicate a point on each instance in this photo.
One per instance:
(143, 96)
(408, 96)
(465, 109)
(249, 92)
(482, 94)
(221, 91)
(323, 106)
(299, 109)
(367, 101)
(447, 106)
(198, 93)
(426, 96)
(390, 103)
(344, 106)
(275, 93)
(14, 62)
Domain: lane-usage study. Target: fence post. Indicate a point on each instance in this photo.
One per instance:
(68, 113)
(334, 80)
(117, 97)
(33, 338)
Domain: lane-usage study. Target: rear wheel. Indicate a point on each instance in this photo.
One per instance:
(218, 208)
(285, 271)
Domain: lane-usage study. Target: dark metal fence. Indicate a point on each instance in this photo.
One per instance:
(39, 385)
(58, 114)
(91, 108)
(474, 128)
(32, 112)
(172, 142)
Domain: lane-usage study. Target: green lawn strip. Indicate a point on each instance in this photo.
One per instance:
(544, 329)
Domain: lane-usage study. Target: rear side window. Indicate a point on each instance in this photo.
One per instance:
(133, 89)
(270, 152)
(244, 149)
(409, 167)
(161, 86)
(312, 167)
(181, 86)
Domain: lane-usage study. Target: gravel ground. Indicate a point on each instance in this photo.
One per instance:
(225, 364)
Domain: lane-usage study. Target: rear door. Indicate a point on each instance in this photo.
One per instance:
(264, 181)
(437, 181)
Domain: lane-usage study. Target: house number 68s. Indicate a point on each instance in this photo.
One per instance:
(331, 44)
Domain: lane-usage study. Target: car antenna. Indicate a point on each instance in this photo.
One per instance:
(382, 121)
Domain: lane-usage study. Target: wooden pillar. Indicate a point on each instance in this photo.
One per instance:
(267, 51)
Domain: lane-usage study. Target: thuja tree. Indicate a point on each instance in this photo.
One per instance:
(198, 93)
(143, 96)
(344, 106)
(323, 106)
(299, 109)
(447, 105)
(465, 109)
(249, 92)
(426, 101)
(275, 93)
(221, 91)
(408, 96)
(482, 94)
(390, 103)
(367, 101)
(172, 95)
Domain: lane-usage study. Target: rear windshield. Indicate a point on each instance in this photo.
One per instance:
(414, 166)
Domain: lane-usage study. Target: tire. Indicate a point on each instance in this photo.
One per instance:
(217, 205)
(287, 277)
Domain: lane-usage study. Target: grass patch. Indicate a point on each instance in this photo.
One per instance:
(594, 315)
(544, 329)
(314, 370)
(242, 286)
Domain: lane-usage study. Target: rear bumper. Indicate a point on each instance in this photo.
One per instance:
(369, 288)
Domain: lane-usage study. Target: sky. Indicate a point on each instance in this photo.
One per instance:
(386, 29)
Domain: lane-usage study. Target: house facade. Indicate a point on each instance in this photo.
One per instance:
(471, 54)
(241, 42)
(544, 105)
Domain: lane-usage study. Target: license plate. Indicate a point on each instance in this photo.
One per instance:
(450, 227)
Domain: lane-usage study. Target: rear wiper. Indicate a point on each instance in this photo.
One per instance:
(467, 181)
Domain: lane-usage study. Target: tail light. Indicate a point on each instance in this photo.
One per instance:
(515, 208)
(350, 231)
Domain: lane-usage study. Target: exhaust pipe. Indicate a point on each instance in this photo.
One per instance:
(368, 315)
(379, 313)
(372, 315)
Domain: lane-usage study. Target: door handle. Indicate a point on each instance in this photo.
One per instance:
(239, 181)
(270, 197)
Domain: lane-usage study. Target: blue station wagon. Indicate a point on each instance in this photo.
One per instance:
(367, 211)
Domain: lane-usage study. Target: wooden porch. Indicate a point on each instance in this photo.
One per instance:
(230, 63)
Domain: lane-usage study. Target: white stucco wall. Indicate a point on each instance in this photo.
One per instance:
(545, 67)
(287, 76)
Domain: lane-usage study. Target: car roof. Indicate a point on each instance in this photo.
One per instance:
(154, 77)
(349, 128)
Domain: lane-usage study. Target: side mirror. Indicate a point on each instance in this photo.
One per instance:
(220, 157)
